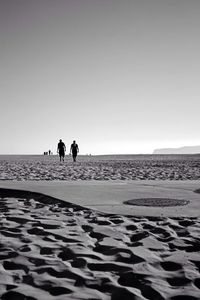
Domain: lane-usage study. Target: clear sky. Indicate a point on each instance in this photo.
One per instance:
(118, 76)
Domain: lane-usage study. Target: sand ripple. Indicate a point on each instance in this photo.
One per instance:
(55, 250)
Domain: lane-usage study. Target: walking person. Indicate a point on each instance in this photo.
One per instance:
(74, 150)
(61, 150)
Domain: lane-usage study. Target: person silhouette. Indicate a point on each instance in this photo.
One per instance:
(74, 150)
(61, 150)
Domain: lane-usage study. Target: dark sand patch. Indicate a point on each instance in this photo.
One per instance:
(153, 202)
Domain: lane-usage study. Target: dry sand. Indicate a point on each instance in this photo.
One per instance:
(50, 249)
(122, 167)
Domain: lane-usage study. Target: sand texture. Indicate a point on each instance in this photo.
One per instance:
(124, 167)
(51, 249)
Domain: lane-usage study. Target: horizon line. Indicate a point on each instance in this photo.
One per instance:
(113, 154)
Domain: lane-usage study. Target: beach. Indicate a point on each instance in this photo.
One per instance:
(107, 167)
(54, 248)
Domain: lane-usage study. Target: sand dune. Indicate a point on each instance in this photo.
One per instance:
(51, 249)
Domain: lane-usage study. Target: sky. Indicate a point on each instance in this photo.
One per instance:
(117, 76)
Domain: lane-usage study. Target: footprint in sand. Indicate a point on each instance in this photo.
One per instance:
(19, 220)
(9, 265)
(140, 281)
(178, 281)
(15, 295)
(184, 297)
(197, 283)
(170, 266)
(139, 236)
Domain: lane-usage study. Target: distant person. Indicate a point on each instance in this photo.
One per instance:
(49, 152)
(61, 150)
(74, 150)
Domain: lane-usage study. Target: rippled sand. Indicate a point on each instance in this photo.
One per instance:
(124, 167)
(51, 249)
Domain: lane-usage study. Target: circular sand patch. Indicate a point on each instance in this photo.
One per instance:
(156, 202)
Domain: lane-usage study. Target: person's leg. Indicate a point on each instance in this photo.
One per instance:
(74, 156)
(61, 155)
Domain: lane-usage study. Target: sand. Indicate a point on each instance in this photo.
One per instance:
(124, 167)
(53, 249)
